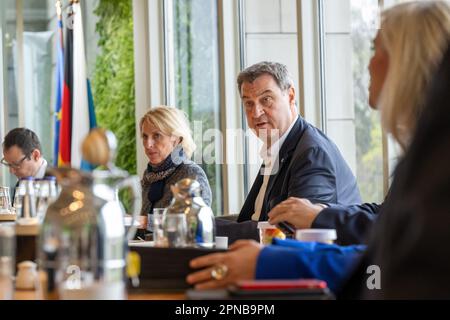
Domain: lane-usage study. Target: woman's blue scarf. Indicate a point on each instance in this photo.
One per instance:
(156, 176)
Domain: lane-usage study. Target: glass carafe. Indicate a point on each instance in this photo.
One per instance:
(199, 217)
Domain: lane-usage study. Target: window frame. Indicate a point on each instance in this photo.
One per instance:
(153, 83)
(152, 88)
(388, 163)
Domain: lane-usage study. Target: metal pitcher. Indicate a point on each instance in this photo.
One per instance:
(83, 241)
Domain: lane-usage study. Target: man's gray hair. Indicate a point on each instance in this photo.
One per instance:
(277, 70)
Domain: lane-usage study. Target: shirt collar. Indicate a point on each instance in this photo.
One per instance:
(40, 173)
(269, 154)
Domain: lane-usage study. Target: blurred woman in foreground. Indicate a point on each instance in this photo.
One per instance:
(409, 243)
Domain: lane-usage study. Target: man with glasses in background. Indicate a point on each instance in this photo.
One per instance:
(22, 154)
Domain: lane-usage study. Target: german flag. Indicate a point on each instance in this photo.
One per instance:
(77, 112)
(65, 130)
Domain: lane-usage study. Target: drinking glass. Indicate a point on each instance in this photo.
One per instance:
(155, 225)
(18, 196)
(175, 229)
(5, 201)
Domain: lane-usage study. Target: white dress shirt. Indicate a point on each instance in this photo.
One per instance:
(270, 158)
(40, 173)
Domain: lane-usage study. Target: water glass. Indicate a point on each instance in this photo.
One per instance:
(175, 229)
(155, 225)
(18, 197)
(268, 232)
(5, 201)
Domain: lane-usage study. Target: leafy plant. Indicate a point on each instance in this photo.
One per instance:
(113, 81)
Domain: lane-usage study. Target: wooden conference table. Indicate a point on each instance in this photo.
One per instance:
(26, 241)
(32, 295)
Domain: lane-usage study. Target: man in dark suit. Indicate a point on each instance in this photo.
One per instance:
(298, 159)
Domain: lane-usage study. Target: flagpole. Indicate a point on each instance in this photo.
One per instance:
(59, 83)
(80, 107)
(58, 6)
(64, 156)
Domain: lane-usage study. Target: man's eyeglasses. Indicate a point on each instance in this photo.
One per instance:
(15, 165)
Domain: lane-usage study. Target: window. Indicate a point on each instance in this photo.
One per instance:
(343, 33)
(269, 34)
(324, 43)
(28, 70)
(192, 79)
(205, 45)
(368, 133)
(28, 78)
(348, 29)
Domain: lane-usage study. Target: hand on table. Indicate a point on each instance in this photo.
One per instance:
(239, 262)
(298, 212)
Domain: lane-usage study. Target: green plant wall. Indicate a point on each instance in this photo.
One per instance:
(113, 80)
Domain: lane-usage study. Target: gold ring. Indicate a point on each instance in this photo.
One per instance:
(219, 272)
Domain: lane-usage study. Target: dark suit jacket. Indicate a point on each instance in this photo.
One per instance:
(352, 223)
(310, 166)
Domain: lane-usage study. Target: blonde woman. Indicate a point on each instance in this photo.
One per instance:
(168, 145)
(413, 37)
(408, 48)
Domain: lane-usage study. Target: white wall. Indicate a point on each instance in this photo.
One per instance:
(271, 33)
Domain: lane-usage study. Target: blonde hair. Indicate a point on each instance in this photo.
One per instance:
(414, 36)
(173, 122)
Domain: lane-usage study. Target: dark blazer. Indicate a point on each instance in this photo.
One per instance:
(310, 166)
(352, 223)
